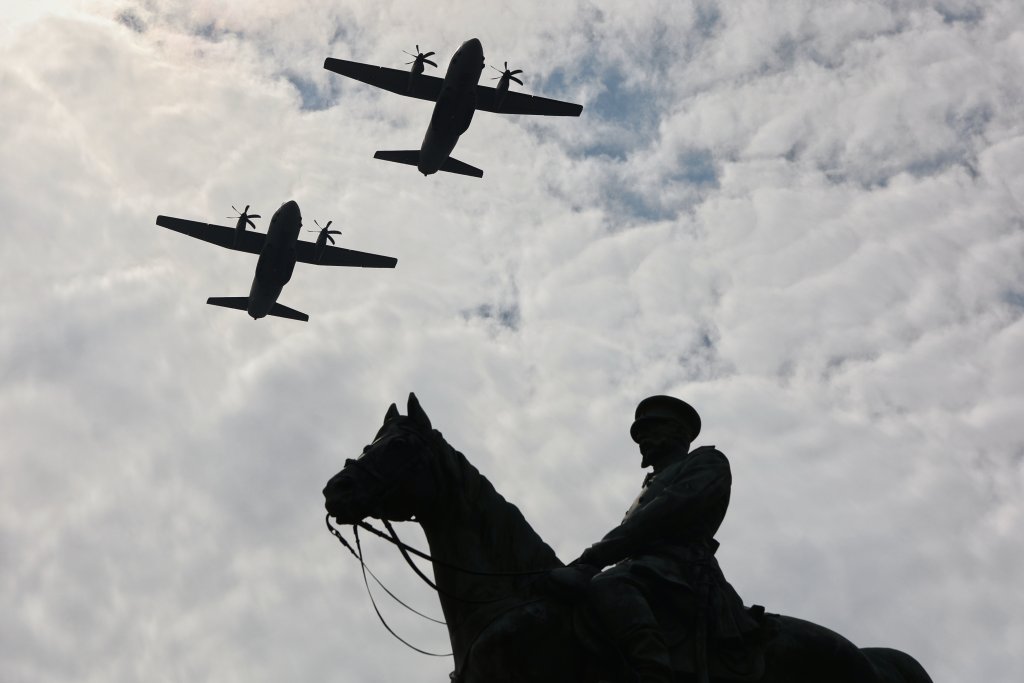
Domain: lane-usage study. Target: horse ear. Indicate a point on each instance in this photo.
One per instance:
(416, 412)
(392, 413)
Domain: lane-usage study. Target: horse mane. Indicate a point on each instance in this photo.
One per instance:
(505, 535)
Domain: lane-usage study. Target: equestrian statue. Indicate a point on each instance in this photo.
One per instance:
(648, 603)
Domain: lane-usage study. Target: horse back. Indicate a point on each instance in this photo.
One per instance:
(742, 661)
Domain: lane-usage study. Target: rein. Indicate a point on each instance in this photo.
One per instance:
(405, 548)
(358, 554)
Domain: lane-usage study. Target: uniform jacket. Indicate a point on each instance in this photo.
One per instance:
(666, 540)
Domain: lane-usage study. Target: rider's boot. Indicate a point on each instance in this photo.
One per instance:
(623, 612)
(647, 654)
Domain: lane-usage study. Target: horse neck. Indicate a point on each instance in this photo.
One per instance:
(471, 526)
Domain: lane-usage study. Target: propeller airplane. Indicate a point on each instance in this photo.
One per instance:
(457, 97)
(279, 249)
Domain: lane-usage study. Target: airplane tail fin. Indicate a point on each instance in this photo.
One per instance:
(452, 165)
(241, 303)
(412, 158)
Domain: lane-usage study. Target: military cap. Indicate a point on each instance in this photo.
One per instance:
(666, 408)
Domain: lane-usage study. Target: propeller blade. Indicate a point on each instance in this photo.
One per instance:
(250, 223)
(516, 80)
(427, 55)
(328, 224)
(330, 239)
(517, 71)
(334, 232)
(430, 62)
(244, 214)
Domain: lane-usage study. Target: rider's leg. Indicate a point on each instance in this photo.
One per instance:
(621, 609)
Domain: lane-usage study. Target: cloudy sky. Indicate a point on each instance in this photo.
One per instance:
(804, 219)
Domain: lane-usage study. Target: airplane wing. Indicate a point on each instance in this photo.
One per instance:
(305, 252)
(521, 103)
(251, 242)
(420, 86)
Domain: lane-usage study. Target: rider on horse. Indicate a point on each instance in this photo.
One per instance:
(663, 552)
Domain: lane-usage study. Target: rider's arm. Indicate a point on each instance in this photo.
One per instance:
(704, 481)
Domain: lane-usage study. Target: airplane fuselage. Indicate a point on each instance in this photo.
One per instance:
(277, 260)
(454, 108)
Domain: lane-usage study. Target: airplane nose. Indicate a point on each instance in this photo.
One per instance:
(291, 207)
(474, 44)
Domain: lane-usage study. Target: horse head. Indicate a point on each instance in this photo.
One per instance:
(387, 480)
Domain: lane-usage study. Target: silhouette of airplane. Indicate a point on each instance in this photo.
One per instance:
(279, 249)
(457, 96)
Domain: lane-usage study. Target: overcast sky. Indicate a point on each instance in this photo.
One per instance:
(804, 218)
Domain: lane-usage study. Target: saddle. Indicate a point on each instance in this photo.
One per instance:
(740, 660)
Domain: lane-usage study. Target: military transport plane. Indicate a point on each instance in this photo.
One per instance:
(279, 249)
(457, 96)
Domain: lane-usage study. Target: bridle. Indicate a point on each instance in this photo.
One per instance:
(383, 480)
(406, 551)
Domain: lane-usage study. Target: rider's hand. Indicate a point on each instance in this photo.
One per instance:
(571, 580)
(588, 559)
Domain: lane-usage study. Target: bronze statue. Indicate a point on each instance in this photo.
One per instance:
(663, 552)
(665, 607)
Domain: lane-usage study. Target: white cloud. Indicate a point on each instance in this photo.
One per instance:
(806, 220)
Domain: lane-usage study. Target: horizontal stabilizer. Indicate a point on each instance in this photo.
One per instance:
(400, 156)
(290, 313)
(412, 157)
(239, 302)
(242, 304)
(452, 165)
